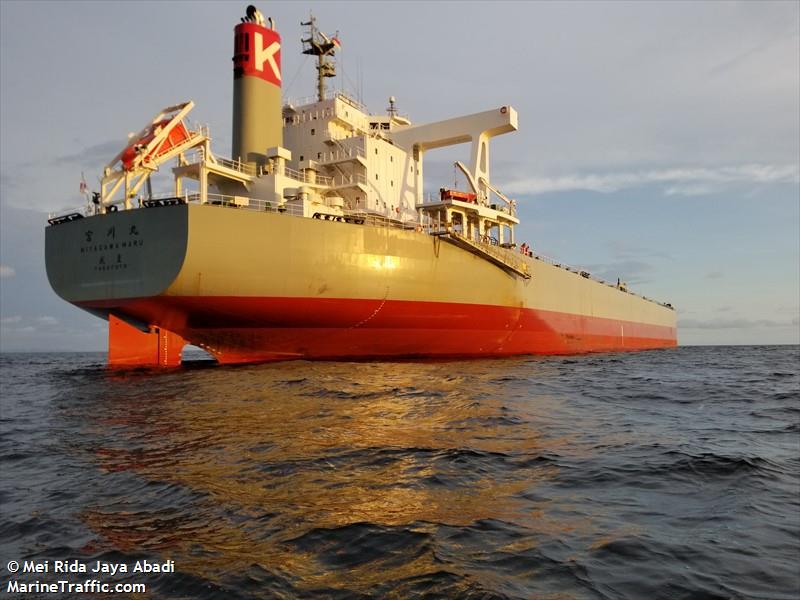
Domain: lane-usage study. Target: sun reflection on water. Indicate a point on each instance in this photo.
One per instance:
(260, 458)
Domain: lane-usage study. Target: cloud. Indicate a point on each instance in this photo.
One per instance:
(784, 309)
(97, 154)
(6, 271)
(740, 323)
(624, 249)
(680, 181)
(715, 275)
(694, 189)
(44, 320)
(750, 52)
(8, 182)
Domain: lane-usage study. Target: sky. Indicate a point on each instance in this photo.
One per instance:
(659, 142)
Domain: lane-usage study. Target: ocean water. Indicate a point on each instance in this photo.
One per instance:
(664, 474)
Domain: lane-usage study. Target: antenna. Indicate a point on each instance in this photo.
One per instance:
(320, 45)
(360, 80)
(392, 110)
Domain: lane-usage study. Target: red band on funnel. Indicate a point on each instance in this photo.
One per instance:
(257, 53)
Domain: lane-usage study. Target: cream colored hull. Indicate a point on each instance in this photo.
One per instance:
(260, 286)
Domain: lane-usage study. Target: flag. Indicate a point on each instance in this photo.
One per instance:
(83, 187)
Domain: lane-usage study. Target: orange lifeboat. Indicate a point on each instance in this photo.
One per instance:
(457, 195)
(176, 136)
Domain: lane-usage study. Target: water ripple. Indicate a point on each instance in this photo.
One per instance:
(671, 474)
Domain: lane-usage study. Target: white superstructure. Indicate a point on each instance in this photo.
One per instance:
(332, 158)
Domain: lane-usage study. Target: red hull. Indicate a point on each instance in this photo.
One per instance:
(245, 329)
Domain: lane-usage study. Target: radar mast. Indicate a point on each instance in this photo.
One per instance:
(323, 47)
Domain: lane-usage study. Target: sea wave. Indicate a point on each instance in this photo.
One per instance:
(669, 474)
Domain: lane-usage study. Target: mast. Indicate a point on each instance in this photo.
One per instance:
(323, 47)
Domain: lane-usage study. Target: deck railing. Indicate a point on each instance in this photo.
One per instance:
(236, 165)
(247, 169)
(295, 102)
(341, 155)
(350, 179)
(245, 203)
(198, 156)
(311, 179)
(432, 199)
(506, 255)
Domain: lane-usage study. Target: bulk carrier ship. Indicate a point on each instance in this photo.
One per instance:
(315, 240)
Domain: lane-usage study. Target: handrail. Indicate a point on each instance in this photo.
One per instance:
(302, 101)
(246, 203)
(506, 256)
(353, 178)
(379, 220)
(236, 165)
(247, 169)
(352, 102)
(306, 100)
(335, 155)
(302, 176)
(309, 100)
(198, 156)
(434, 199)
